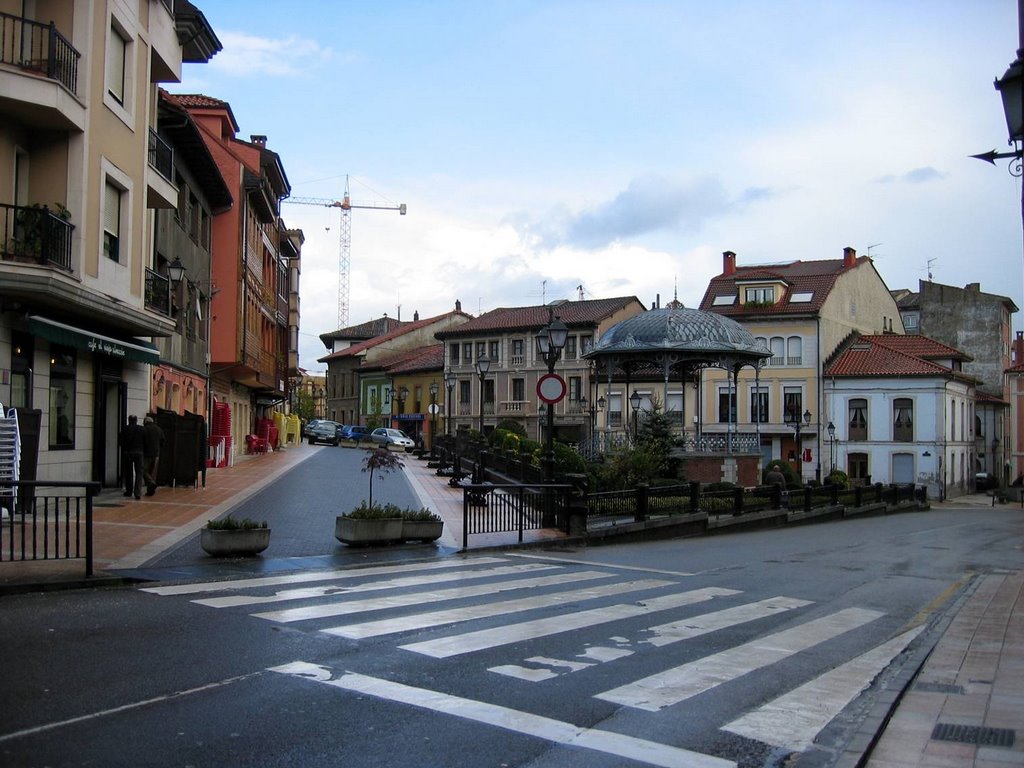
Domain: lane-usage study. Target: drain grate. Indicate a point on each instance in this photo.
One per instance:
(939, 688)
(974, 734)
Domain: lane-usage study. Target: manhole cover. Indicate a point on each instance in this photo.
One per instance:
(974, 734)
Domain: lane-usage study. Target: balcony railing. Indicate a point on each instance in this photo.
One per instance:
(158, 292)
(35, 235)
(161, 156)
(38, 48)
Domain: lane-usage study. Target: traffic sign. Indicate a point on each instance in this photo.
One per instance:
(551, 388)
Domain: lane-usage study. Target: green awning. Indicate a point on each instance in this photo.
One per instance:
(97, 343)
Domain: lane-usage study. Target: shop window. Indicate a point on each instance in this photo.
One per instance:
(63, 365)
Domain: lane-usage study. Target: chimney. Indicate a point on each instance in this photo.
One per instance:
(973, 287)
(1018, 348)
(728, 263)
(258, 139)
(458, 305)
(849, 257)
(416, 316)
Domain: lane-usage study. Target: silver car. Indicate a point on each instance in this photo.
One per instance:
(392, 437)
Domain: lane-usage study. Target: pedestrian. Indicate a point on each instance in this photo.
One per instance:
(775, 477)
(152, 446)
(133, 437)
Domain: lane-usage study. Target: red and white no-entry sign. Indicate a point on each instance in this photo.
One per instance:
(551, 388)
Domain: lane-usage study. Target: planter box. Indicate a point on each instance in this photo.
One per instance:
(237, 543)
(350, 530)
(425, 530)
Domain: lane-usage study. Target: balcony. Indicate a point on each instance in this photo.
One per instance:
(47, 97)
(35, 235)
(158, 292)
(160, 189)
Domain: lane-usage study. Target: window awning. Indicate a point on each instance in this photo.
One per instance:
(97, 343)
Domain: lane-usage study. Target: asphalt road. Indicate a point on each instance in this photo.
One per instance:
(700, 652)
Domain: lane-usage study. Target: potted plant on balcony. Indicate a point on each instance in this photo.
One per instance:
(231, 537)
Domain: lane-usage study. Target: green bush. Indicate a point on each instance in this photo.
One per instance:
(792, 481)
(230, 523)
(724, 485)
(838, 477)
(511, 426)
(390, 512)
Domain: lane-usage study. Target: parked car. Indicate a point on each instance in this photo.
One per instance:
(324, 432)
(355, 432)
(388, 437)
(309, 426)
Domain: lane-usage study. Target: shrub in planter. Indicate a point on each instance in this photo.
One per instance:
(231, 537)
(387, 523)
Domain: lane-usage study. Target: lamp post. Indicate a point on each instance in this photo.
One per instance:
(482, 366)
(550, 342)
(831, 447)
(634, 402)
(794, 421)
(591, 409)
(449, 385)
(433, 416)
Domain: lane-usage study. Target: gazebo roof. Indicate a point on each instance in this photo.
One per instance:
(690, 333)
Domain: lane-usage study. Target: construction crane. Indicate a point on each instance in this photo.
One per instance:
(344, 206)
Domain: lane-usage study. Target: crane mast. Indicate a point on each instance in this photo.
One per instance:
(345, 206)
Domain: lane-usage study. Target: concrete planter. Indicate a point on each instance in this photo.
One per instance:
(234, 543)
(422, 530)
(359, 531)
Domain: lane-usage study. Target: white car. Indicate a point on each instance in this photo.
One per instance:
(396, 437)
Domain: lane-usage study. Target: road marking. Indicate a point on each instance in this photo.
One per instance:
(555, 731)
(469, 642)
(792, 721)
(684, 629)
(383, 602)
(232, 601)
(571, 561)
(124, 708)
(679, 683)
(455, 615)
(304, 577)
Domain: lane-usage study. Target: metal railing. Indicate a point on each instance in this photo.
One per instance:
(161, 156)
(158, 292)
(34, 234)
(47, 521)
(490, 508)
(38, 48)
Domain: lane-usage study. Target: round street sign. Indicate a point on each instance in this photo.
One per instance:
(433, 408)
(551, 388)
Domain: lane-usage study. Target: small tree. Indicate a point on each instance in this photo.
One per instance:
(383, 461)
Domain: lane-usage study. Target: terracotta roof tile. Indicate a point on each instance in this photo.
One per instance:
(404, 328)
(921, 346)
(893, 355)
(588, 312)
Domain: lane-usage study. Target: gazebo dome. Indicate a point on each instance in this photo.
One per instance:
(690, 332)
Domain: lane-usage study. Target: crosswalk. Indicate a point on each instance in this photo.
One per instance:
(594, 622)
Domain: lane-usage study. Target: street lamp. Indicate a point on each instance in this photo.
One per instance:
(592, 411)
(794, 421)
(550, 342)
(634, 401)
(831, 447)
(433, 416)
(482, 366)
(449, 385)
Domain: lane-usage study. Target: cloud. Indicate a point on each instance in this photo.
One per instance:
(915, 176)
(647, 205)
(246, 55)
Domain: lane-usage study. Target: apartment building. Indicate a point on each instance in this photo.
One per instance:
(507, 339)
(81, 180)
(254, 335)
(802, 310)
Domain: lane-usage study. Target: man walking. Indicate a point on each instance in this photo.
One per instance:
(133, 438)
(152, 446)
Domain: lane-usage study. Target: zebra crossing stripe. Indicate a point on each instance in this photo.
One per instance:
(233, 601)
(384, 602)
(469, 642)
(306, 577)
(793, 721)
(555, 731)
(684, 629)
(468, 613)
(680, 683)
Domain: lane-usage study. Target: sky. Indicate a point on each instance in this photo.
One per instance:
(563, 149)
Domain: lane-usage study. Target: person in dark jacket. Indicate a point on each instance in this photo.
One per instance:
(152, 445)
(133, 438)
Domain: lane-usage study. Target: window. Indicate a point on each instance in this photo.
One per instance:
(494, 351)
(481, 350)
(467, 353)
(792, 404)
(759, 295)
(111, 221)
(519, 390)
(575, 389)
(858, 425)
(857, 468)
(726, 406)
(586, 343)
(453, 353)
(903, 420)
(117, 57)
(517, 352)
(62, 397)
(570, 348)
(759, 405)
(21, 370)
(952, 420)
(778, 348)
(910, 322)
(794, 351)
(465, 393)
(614, 410)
